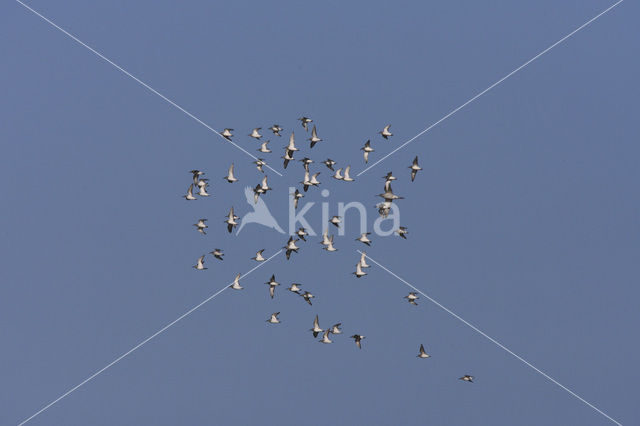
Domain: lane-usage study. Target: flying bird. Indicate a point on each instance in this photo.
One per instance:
(314, 139)
(296, 196)
(257, 191)
(305, 121)
(313, 182)
(411, 298)
(325, 238)
(189, 195)
(255, 133)
(423, 353)
(329, 163)
(364, 238)
(292, 143)
(414, 168)
(226, 133)
(230, 177)
(357, 338)
(291, 246)
(329, 246)
(202, 185)
(316, 327)
(295, 288)
(276, 129)
(338, 174)
(367, 149)
(388, 195)
(231, 220)
(402, 231)
(359, 272)
(384, 208)
(272, 285)
(302, 233)
(274, 318)
(385, 132)
(335, 220)
(196, 175)
(200, 265)
(307, 297)
(265, 187)
(201, 226)
(306, 161)
(467, 378)
(236, 283)
(259, 163)
(363, 260)
(325, 337)
(335, 329)
(259, 257)
(217, 253)
(264, 148)
(346, 176)
(288, 156)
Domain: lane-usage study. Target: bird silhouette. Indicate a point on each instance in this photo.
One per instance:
(260, 214)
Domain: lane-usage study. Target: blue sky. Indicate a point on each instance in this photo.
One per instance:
(524, 221)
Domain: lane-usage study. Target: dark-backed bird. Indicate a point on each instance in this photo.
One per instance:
(302, 233)
(305, 122)
(276, 129)
(402, 232)
(358, 338)
(316, 327)
(196, 175)
(272, 283)
(329, 163)
(259, 163)
(366, 150)
(423, 353)
(217, 253)
(291, 247)
(412, 297)
(307, 297)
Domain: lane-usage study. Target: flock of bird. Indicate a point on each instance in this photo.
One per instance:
(201, 184)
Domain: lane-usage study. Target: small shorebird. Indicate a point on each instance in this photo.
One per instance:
(358, 338)
(274, 318)
(385, 132)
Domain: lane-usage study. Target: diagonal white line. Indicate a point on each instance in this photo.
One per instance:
(142, 343)
(500, 345)
(492, 86)
(142, 83)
